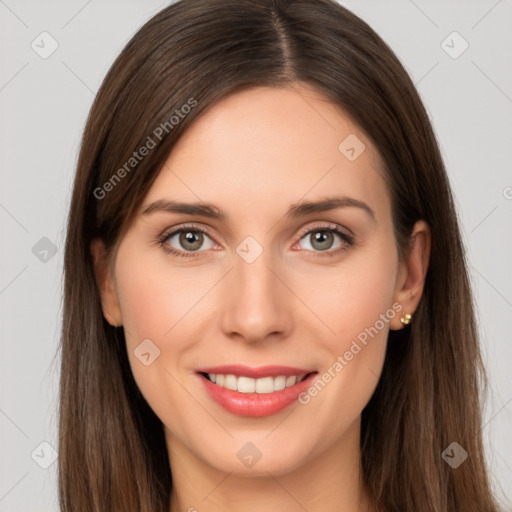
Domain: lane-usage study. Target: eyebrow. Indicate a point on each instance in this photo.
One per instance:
(296, 210)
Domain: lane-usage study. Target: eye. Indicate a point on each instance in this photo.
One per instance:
(321, 239)
(188, 238)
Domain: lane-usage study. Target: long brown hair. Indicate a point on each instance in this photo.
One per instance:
(113, 455)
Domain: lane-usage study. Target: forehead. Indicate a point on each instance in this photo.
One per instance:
(266, 148)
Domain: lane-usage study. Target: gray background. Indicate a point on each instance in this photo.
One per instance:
(44, 103)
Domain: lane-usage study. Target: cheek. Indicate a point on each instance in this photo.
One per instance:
(152, 305)
(358, 308)
(352, 298)
(168, 306)
(156, 299)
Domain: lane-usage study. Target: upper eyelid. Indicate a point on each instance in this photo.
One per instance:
(328, 226)
(192, 227)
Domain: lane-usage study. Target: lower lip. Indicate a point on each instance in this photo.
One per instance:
(255, 405)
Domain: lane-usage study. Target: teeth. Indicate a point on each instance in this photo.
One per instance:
(230, 382)
(265, 385)
(290, 381)
(245, 384)
(249, 385)
(279, 383)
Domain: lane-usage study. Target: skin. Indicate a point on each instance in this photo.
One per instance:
(253, 155)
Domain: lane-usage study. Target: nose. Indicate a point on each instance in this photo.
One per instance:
(256, 302)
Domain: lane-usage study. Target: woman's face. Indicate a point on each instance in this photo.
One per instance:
(263, 286)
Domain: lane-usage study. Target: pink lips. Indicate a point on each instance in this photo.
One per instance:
(255, 404)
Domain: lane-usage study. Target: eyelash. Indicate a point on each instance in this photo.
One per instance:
(346, 238)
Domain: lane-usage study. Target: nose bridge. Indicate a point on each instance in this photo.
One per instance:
(256, 304)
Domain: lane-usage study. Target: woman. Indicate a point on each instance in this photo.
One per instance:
(266, 297)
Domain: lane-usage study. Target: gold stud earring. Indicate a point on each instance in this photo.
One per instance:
(405, 318)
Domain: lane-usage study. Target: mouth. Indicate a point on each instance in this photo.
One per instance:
(255, 392)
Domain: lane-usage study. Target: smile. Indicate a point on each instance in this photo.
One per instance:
(255, 392)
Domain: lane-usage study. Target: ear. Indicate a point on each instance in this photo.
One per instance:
(412, 272)
(105, 283)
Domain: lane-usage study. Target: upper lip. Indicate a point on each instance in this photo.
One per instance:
(255, 373)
